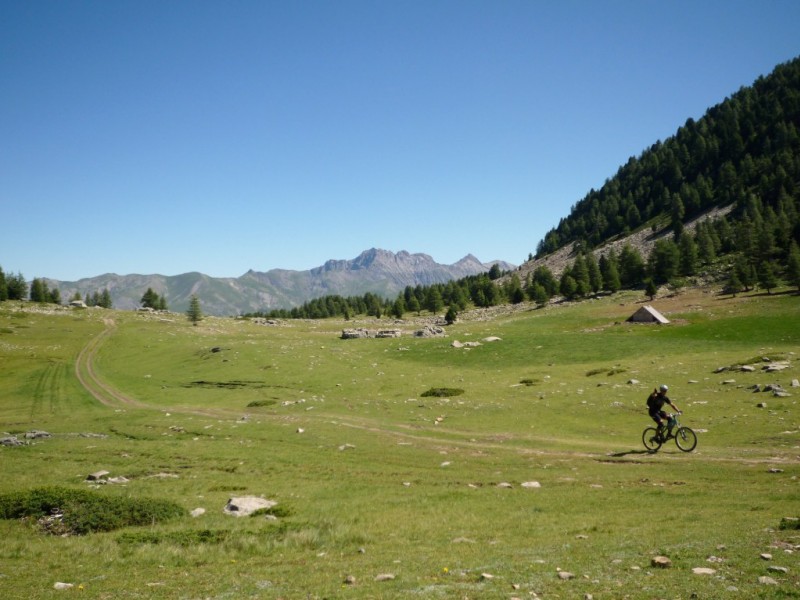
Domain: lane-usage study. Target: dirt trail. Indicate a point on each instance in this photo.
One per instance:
(84, 371)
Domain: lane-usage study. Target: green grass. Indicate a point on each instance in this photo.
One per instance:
(373, 476)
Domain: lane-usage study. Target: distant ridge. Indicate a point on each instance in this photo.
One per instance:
(380, 272)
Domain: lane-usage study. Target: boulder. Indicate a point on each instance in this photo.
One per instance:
(661, 562)
(353, 334)
(246, 505)
(430, 331)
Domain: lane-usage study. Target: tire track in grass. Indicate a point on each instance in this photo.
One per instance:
(107, 394)
(88, 378)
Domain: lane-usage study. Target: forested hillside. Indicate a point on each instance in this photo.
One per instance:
(745, 151)
(739, 166)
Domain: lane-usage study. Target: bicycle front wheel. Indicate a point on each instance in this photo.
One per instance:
(686, 439)
(651, 440)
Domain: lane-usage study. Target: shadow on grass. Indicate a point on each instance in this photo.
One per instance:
(627, 452)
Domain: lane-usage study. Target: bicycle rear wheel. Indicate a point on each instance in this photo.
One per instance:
(651, 440)
(686, 439)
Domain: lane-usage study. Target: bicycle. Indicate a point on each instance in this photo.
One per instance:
(685, 438)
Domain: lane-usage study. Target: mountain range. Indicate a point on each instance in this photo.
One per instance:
(380, 272)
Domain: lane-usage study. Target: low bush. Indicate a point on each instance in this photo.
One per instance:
(79, 512)
(257, 403)
(442, 392)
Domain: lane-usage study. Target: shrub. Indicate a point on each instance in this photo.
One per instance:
(442, 392)
(85, 512)
(257, 403)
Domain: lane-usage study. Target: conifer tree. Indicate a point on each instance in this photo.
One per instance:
(734, 286)
(195, 314)
(793, 265)
(610, 272)
(766, 276)
(595, 276)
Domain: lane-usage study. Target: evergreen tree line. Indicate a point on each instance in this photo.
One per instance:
(151, 299)
(477, 290)
(746, 147)
(15, 287)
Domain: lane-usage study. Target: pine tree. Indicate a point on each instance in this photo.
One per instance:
(766, 276)
(39, 290)
(538, 294)
(595, 276)
(194, 313)
(610, 273)
(3, 288)
(650, 289)
(398, 308)
(149, 299)
(105, 299)
(793, 265)
(580, 273)
(688, 256)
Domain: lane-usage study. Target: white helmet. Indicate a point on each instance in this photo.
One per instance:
(663, 387)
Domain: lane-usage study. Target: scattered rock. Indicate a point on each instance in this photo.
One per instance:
(96, 476)
(565, 575)
(703, 571)
(486, 577)
(492, 338)
(60, 585)
(633, 382)
(764, 580)
(346, 447)
(430, 331)
(504, 484)
(350, 580)
(11, 441)
(531, 484)
(353, 334)
(661, 562)
(118, 480)
(766, 556)
(729, 382)
(197, 512)
(776, 366)
(246, 505)
(761, 405)
(795, 383)
(389, 333)
(384, 577)
(35, 435)
(774, 569)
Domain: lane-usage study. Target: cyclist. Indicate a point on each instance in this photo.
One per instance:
(655, 406)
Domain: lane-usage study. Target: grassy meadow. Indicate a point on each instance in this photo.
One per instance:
(384, 492)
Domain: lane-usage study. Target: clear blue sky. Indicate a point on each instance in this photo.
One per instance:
(167, 137)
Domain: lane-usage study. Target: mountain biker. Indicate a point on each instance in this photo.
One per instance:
(655, 405)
